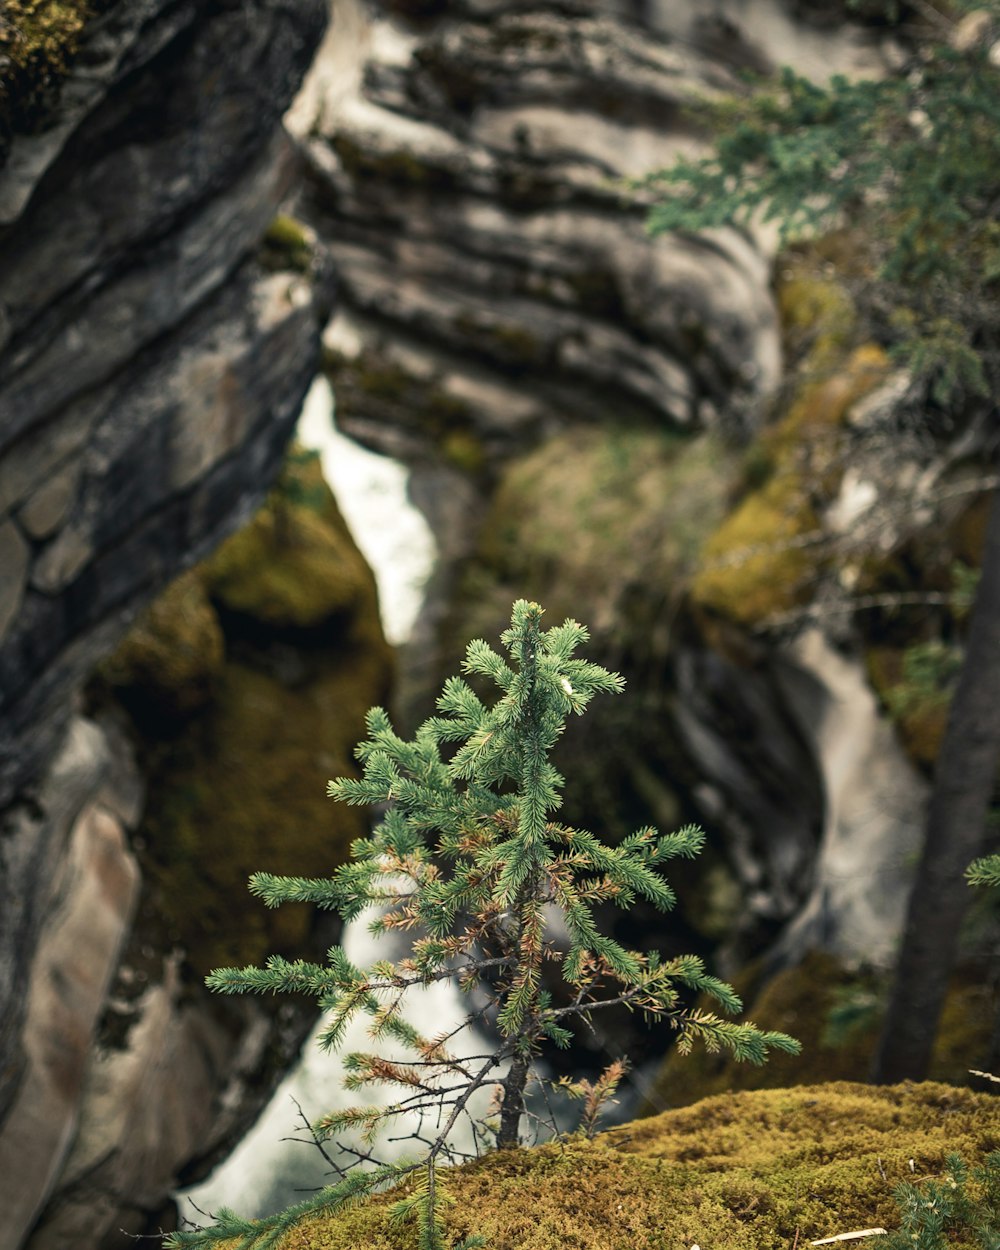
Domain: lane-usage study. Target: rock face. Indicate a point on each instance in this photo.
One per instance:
(499, 292)
(246, 685)
(79, 826)
(508, 327)
(495, 268)
(151, 369)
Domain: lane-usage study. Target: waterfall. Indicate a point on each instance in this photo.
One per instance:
(267, 1171)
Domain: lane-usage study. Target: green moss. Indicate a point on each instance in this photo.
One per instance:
(287, 244)
(244, 790)
(818, 317)
(915, 684)
(170, 659)
(758, 562)
(290, 568)
(375, 385)
(399, 166)
(462, 450)
(505, 341)
(38, 44)
(751, 1171)
(243, 787)
(597, 513)
(802, 1001)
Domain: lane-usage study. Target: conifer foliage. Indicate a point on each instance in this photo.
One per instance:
(471, 860)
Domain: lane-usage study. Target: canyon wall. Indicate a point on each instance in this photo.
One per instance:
(154, 353)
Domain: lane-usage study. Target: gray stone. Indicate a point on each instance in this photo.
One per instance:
(47, 508)
(131, 262)
(62, 560)
(151, 371)
(94, 891)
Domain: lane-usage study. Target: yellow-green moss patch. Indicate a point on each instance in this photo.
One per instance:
(244, 790)
(170, 658)
(818, 317)
(760, 561)
(287, 244)
(241, 785)
(752, 1171)
(294, 566)
(593, 515)
(38, 40)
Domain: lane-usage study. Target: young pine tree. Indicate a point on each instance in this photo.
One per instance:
(471, 859)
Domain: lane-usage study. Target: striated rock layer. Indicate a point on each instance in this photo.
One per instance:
(151, 370)
(691, 453)
(573, 394)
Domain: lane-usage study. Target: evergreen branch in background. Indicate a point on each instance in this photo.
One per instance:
(909, 163)
(985, 871)
(470, 858)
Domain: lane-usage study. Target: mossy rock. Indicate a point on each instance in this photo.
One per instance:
(242, 786)
(399, 166)
(818, 317)
(801, 1001)
(597, 515)
(295, 566)
(38, 44)
(761, 561)
(374, 385)
(761, 1170)
(244, 790)
(287, 244)
(171, 657)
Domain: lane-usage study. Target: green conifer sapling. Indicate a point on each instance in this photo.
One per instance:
(471, 859)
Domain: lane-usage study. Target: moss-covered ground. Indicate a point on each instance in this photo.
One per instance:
(761, 1170)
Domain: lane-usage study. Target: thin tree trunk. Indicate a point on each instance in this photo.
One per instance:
(513, 1102)
(956, 820)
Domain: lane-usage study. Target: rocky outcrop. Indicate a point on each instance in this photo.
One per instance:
(495, 268)
(509, 328)
(76, 840)
(152, 363)
(151, 369)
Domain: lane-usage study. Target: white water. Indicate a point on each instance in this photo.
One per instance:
(267, 1171)
(264, 1173)
(372, 493)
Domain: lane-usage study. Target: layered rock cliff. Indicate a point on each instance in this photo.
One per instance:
(573, 394)
(662, 437)
(593, 418)
(153, 360)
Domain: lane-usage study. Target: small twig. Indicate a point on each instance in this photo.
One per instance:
(863, 1232)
